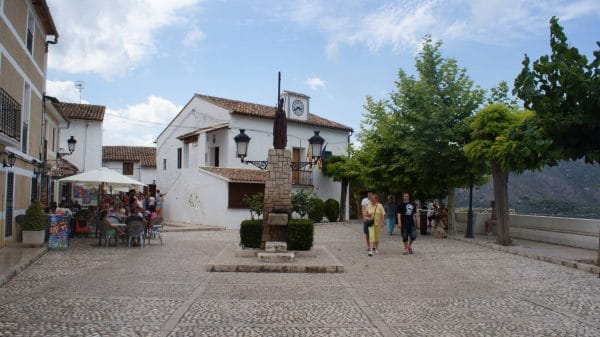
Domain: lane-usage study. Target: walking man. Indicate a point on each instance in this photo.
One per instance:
(408, 217)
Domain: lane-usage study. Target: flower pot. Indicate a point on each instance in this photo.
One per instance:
(33, 238)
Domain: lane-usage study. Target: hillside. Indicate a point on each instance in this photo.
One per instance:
(571, 189)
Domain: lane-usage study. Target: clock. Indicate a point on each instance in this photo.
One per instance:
(297, 107)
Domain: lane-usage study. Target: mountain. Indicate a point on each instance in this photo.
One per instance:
(570, 189)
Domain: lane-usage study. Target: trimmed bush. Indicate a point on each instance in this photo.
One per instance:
(300, 234)
(316, 209)
(251, 233)
(35, 219)
(332, 210)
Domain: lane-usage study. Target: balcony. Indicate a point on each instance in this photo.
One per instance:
(302, 177)
(10, 116)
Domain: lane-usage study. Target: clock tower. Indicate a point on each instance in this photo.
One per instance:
(295, 105)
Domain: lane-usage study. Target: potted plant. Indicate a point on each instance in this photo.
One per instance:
(34, 225)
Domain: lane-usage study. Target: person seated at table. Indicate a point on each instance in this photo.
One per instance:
(104, 219)
(135, 216)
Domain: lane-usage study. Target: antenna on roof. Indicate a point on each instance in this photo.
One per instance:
(79, 86)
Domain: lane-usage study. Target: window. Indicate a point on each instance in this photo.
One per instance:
(10, 116)
(34, 188)
(8, 210)
(25, 117)
(30, 30)
(179, 155)
(128, 169)
(164, 164)
(238, 190)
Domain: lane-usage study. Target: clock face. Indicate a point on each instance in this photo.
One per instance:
(298, 107)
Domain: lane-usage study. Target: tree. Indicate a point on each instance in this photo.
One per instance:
(564, 91)
(511, 142)
(414, 141)
(341, 169)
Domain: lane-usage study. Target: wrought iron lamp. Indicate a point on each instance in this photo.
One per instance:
(242, 140)
(71, 142)
(11, 160)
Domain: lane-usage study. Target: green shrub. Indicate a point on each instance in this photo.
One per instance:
(316, 209)
(251, 233)
(255, 202)
(301, 202)
(300, 234)
(35, 219)
(332, 210)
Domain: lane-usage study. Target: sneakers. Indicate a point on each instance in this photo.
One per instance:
(377, 251)
(370, 253)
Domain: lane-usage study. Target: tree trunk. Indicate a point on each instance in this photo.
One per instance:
(343, 197)
(500, 179)
(451, 204)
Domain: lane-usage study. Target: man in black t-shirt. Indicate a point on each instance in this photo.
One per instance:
(408, 217)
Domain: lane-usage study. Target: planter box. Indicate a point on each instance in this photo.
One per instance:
(33, 238)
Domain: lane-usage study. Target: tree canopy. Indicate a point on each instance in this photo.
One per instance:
(414, 141)
(564, 91)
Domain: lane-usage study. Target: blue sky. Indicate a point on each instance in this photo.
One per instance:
(145, 59)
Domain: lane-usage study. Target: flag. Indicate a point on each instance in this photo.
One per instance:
(309, 155)
(321, 162)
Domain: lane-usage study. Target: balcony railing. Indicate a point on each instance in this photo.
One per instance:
(10, 116)
(302, 177)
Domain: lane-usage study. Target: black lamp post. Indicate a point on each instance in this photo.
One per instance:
(469, 233)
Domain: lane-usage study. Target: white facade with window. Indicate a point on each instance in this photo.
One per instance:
(201, 135)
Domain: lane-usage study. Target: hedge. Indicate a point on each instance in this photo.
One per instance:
(316, 209)
(332, 210)
(300, 234)
(251, 233)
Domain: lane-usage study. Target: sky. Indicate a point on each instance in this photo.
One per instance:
(145, 59)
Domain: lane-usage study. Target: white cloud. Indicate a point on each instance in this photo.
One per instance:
(192, 38)
(110, 37)
(401, 25)
(65, 91)
(315, 83)
(138, 124)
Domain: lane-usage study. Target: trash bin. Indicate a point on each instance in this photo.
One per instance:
(423, 219)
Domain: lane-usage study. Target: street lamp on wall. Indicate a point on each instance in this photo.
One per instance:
(241, 143)
(316, 144)
(11, 160)
(71, 142)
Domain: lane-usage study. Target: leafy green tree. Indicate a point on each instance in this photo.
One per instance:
(414, 141)
(511, 142)
(345, 170)
(255, 204)
(563, 89)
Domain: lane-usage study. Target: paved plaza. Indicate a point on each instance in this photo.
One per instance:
(447, 288)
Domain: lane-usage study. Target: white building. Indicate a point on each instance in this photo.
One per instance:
(85, 125)
(137, 162)
(198, 169)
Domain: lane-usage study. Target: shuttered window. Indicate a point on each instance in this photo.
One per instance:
(8, 212)
(238, 190)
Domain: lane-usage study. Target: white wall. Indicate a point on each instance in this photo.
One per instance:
(197, 113)
(582, 233)
(146, 175)
(193, 200)
(88, 150)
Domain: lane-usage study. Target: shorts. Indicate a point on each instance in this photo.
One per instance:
(409, 231)
(366, 228)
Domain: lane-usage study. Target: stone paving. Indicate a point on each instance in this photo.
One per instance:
(447, 288)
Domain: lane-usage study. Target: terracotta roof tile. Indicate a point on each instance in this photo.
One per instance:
(265, 111)
(239, 175)
(61, 168)
(82, 111)
(145, 155)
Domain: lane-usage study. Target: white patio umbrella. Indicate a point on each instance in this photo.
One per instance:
(104, 175)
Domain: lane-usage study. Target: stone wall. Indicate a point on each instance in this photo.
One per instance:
(581, 233)
(278, 193)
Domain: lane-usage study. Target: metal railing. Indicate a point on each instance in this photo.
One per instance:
(10, 116)
(302, 177)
